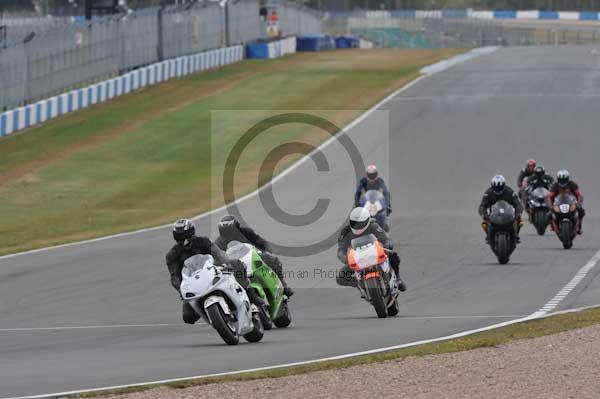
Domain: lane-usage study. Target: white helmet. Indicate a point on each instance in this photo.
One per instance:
(359, 220)
(498, 184)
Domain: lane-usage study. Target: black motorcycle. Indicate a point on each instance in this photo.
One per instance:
(502, 222)
(566, 218)
(539, 212)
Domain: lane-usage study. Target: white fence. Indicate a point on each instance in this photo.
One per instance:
(41, 111)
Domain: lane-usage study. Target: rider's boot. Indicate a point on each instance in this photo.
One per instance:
(395, 264)
(255, 299)
(288, 291)
(401, 284)
(189, 315)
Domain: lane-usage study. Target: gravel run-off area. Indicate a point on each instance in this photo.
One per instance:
(564, 365)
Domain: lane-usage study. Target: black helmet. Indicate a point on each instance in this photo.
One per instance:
(228, 224)
(183, 230)
(563, 177)
(498, 184)
(540, 172)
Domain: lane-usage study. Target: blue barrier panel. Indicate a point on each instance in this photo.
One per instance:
(588, 15)
(28, 116)
(257, 51)
(505, 14)
(548, 15)
(315, 43)
(2, 125)
(405, 14)
(38, 113)
(69, 102)
(59, 106)
(454, 14)
(80, 99)
(15, 120)
(347, 42)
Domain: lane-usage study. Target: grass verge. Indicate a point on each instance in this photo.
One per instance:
(525, 330)
(144, 159)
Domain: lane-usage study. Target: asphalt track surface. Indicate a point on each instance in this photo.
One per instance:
(448, 135)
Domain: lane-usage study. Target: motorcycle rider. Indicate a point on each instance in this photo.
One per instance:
(372, 181)
(526, 172)
(499, 191)
(360, 225)
(539, 179)
(187, 245)
(231, 230)
(564, 184)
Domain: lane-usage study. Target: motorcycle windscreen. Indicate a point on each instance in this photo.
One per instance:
(502, 213)
(565, 198)
(238, 251)
(366, 252)
(565, 202)
(373, 201)
(540, 194)
(195, 263)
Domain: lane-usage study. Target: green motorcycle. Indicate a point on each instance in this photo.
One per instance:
(265, 282)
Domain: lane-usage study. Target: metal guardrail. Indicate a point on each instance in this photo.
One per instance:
(74, 55)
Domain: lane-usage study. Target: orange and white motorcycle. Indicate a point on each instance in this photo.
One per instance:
(376, 280)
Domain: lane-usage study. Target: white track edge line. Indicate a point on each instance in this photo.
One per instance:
(569, 287)
(476, 52)
(339, 357)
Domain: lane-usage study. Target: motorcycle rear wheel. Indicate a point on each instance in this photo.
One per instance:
(285, 318)
(394, 308)
(258, 333)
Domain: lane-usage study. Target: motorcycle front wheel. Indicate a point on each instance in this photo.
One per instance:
(540, 221)
(566, 235)
(373, 288)
(225, 329)
(502, 248)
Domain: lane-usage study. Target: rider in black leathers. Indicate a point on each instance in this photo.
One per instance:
(499, 191)
(539, 179)
(360, 225)
(372, 181)
(187, 245)
(231, 230)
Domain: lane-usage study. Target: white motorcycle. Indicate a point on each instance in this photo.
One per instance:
(220, 300)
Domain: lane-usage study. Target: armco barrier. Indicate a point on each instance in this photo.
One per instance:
(33, 114)
(273, 49)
